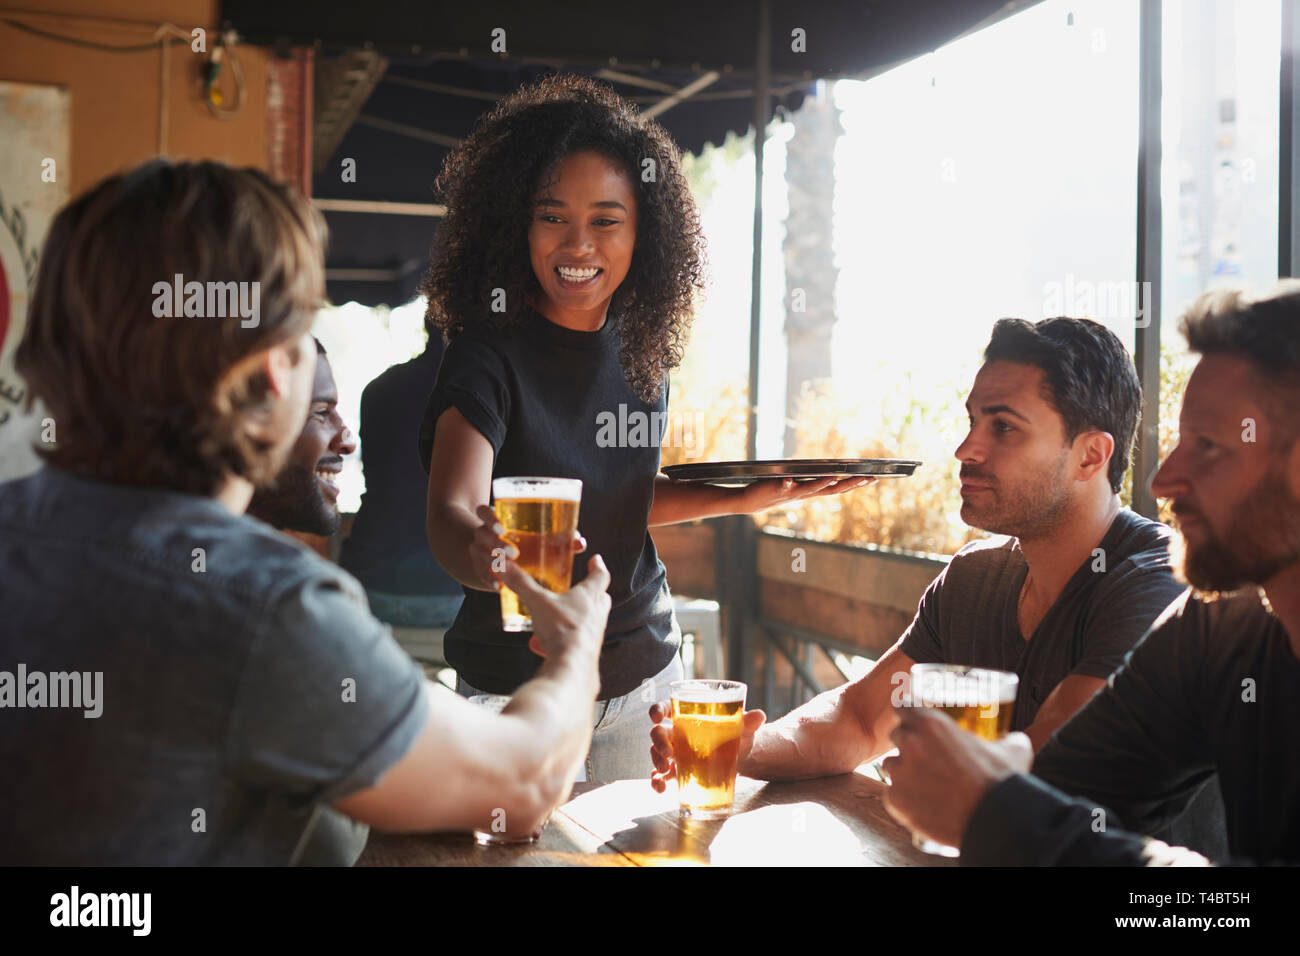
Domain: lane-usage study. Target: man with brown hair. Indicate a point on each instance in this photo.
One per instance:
(1215, 685)
(178, 683)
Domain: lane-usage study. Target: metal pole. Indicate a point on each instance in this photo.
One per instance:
(762, 70)
(1146, 457)
(1288, 141)
(744, 638)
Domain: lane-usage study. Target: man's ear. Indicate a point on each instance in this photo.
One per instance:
(277, 364)
(271, 368)
(1097, 448)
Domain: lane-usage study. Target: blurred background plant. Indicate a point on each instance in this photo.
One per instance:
(922, 420)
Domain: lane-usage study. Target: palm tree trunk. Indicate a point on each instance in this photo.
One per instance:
(808, 248)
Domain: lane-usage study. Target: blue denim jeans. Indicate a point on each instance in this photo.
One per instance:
(620, 739)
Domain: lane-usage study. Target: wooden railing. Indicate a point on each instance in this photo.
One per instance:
(811, 602)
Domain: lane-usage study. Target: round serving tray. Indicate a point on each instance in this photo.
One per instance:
(743, 472)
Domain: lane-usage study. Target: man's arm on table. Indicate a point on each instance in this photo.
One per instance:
(468, 762)
(838, 730)
(834, 732)
(841, 728)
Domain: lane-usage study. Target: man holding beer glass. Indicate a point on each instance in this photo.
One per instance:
(1213, 689)
(258, 686)
(1058, 602)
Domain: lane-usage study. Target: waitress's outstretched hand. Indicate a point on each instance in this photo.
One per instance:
(762, 495)
(489, 550)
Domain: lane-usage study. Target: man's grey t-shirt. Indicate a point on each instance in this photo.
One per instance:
(245, 685)
(968, 614)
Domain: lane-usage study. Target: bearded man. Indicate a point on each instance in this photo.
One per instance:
(1213, 689)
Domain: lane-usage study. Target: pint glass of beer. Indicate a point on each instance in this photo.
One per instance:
(978, 699)
(707, 717)
(540, 516)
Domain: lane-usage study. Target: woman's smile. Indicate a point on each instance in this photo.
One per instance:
(578, 278)
(582, 238)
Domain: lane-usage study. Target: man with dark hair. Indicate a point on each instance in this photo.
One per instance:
(304, 496)
(1091, 383)
(187, 685)
(1215, 686)
(1071, 587)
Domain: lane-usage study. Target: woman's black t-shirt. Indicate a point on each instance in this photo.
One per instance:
(554, 402)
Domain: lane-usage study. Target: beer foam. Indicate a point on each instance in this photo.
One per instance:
(965, 688)
(706, 692)
(555, 489)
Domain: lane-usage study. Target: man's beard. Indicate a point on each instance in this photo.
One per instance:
(1262, 540)
(1031, 510)
(295, 502)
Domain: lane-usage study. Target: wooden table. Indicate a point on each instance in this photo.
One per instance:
(833, 821)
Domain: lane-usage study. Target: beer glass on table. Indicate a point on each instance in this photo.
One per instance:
(707, 716)
(978, 699)
(540, 517)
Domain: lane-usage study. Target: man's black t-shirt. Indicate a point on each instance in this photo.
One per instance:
(544, 396)
(969, 614)
(1214, 687)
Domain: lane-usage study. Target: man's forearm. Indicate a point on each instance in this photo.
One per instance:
(1022, 821)
(556, 707)
(819, 739)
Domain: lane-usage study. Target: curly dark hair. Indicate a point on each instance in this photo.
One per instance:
(489, 184)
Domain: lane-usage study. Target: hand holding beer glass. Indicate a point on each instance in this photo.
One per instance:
(708, 721)
(977, 699)
(539, 519)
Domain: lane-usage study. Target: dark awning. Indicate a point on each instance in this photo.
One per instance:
(842, 38)
(441, 76)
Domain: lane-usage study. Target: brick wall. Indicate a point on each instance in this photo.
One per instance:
(288, 117)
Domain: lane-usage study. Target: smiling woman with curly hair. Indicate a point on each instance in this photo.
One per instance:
(564, 276)
(489, 188)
